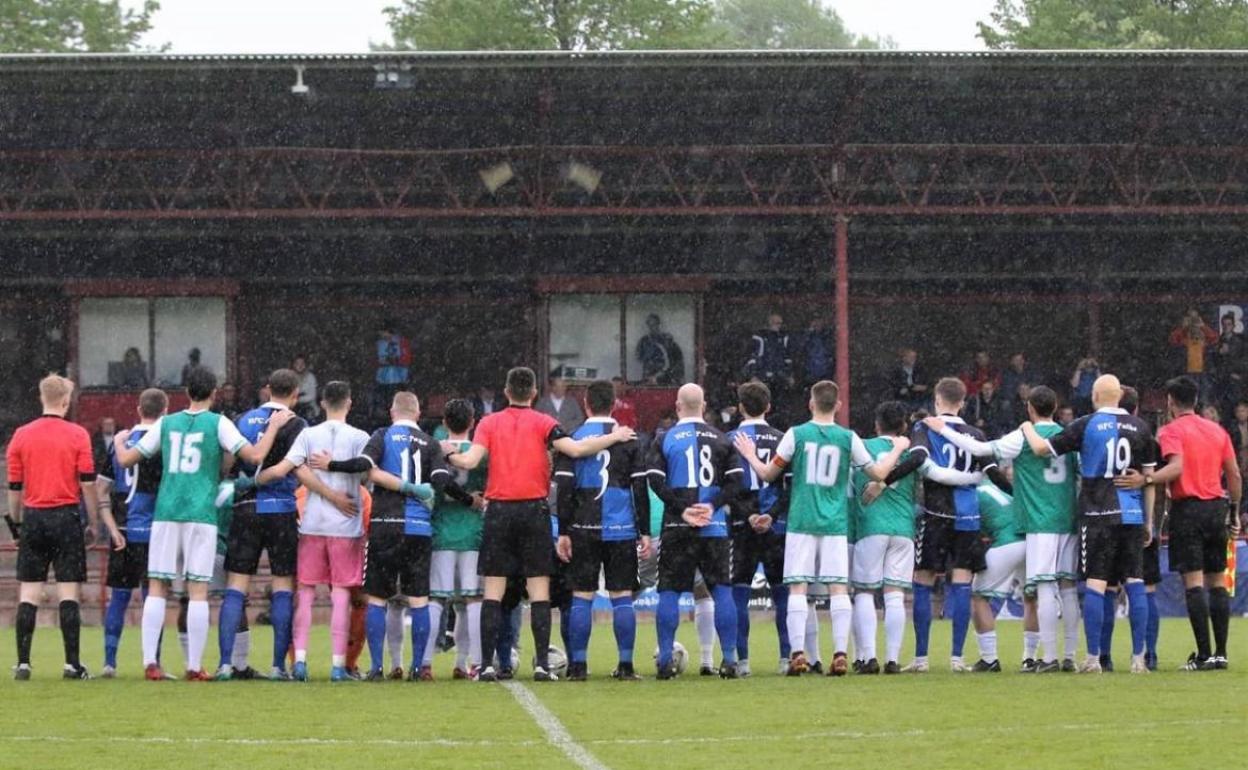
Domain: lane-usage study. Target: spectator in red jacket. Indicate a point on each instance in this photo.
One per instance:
(624, 412)
(981, 371)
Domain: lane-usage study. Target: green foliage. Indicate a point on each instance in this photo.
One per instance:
(1142, 24)
(786, 24)
(65, 26)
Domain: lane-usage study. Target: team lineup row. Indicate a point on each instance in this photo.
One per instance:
(462, 516)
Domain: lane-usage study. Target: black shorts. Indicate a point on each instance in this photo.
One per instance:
(1198, 536)
(517, 589)
(939, 547)
(685, 553)
(617, 559)
(252, 533)
(749, 548)
(52, 537)
(127, 568)
(516, 540)
(1111, 552)
(1152, 563)
(395, 563)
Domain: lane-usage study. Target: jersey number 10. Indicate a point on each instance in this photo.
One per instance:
(823, 463)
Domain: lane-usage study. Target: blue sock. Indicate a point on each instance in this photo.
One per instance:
(580, 623)
(624, 623)
(922, 618)
(1137, 612)
(780, 602)
(1154, 624)
(741, 600)
(282, 613)
(1093, 619)
(227, 623)
(959, 596)
(375, 633)
(114, 623)
(667, 620)
(726, 622)
(1107, 623)
(565, 624)
(420, 633)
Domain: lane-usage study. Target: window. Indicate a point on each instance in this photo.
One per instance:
(647, 338)
(136, 342)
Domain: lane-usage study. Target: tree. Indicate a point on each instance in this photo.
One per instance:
(1082, 24)
(65, 26)
(786, 24)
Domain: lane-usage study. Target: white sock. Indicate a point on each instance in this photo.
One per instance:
(184, 644)
(394, 633)
(435, 626)
(812, 634)
(987, 645)
(894, 623)
(473, 622)
(704, 619)
(301, 656)
(864, 625)
(242, 649)
(1070, 621)
(462, 640)
(196, 634)
(1048, 611)
(338, 661)
(796, 615)
(842, 611)
(153, 623)
(1031, 643)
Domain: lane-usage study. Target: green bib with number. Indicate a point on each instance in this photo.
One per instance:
(457, 527)
(892, 513)
(1045, 488)
(819, 503)
(191, 454)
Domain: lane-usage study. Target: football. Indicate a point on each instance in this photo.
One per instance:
(680, 657)
(557, 661)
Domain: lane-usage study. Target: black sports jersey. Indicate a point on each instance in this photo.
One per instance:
(276, 496)
(771, 498)
(1109, 442)
(604, 495)
(958, 503)
(406, 451)
(695, 463)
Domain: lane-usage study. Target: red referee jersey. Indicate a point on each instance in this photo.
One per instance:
(517, 439)
(1204, 445)
(48, 458)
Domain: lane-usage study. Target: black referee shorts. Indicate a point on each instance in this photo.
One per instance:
(516, 540)
(127, 568)
(749, 548)
(52, 537)
(1198, 536)
(253, 533)
(685, 553)
(616, 559)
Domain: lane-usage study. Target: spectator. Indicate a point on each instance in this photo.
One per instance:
(667, 418)
(1081, 381)
(624, 412)
(133, 372)
(556, 403)
(394, 356)
(102, 442)
(1018, 373)
(227, 402)
(1239, 433)
(1195, 337)
(306, 406)
(988, 411)
(1065, 415)
(192, 363)
(662, 361)
(981, 371)
(486, 402)
(1018, 405)
(771, 363)
(1211, 413)
(1228, 363)
(817, 356)
(906, 381)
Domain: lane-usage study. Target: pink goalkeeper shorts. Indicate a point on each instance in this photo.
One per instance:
(334, 561)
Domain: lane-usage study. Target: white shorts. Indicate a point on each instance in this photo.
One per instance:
(816, 558)
(1051, 556)
(454, 574)
(883, 560)
(1004, 572)
(181, 548)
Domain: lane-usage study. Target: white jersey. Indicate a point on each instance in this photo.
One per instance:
(343, 442)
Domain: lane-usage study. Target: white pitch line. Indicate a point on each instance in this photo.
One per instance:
(158, 740)
(556, 734)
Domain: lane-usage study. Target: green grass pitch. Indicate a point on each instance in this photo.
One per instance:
(1165, 720)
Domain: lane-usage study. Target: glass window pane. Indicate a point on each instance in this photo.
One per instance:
(107, 328)
(585, 333)
(184, 324)
(659, 330)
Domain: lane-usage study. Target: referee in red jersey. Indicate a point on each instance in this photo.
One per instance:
(50, 470)
(516, 537)
(1198, 455)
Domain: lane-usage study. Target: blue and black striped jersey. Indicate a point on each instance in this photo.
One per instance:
(605, 495)
(1109, 442)
(695, 463)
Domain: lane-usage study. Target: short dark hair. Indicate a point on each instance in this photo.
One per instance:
(521, 383)
(336, 394)
(1043, 400)
(1183, 390)
(200, 382)
(754, 398)
(600, 397)
(825, 394)
(1130, 400)
(152, 403)
(951, 390)
(458, 415)
(890, 417)
(283, 383)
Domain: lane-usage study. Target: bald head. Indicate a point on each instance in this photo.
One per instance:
(690, 401)
(405, 406)
(1106, 391)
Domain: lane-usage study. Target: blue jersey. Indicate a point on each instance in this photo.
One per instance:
(277, 496)
(958, 503)
(604, 496)
(1109, 442)
(406, 451)
(765, 498)
(695, 463)
(133, 493)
